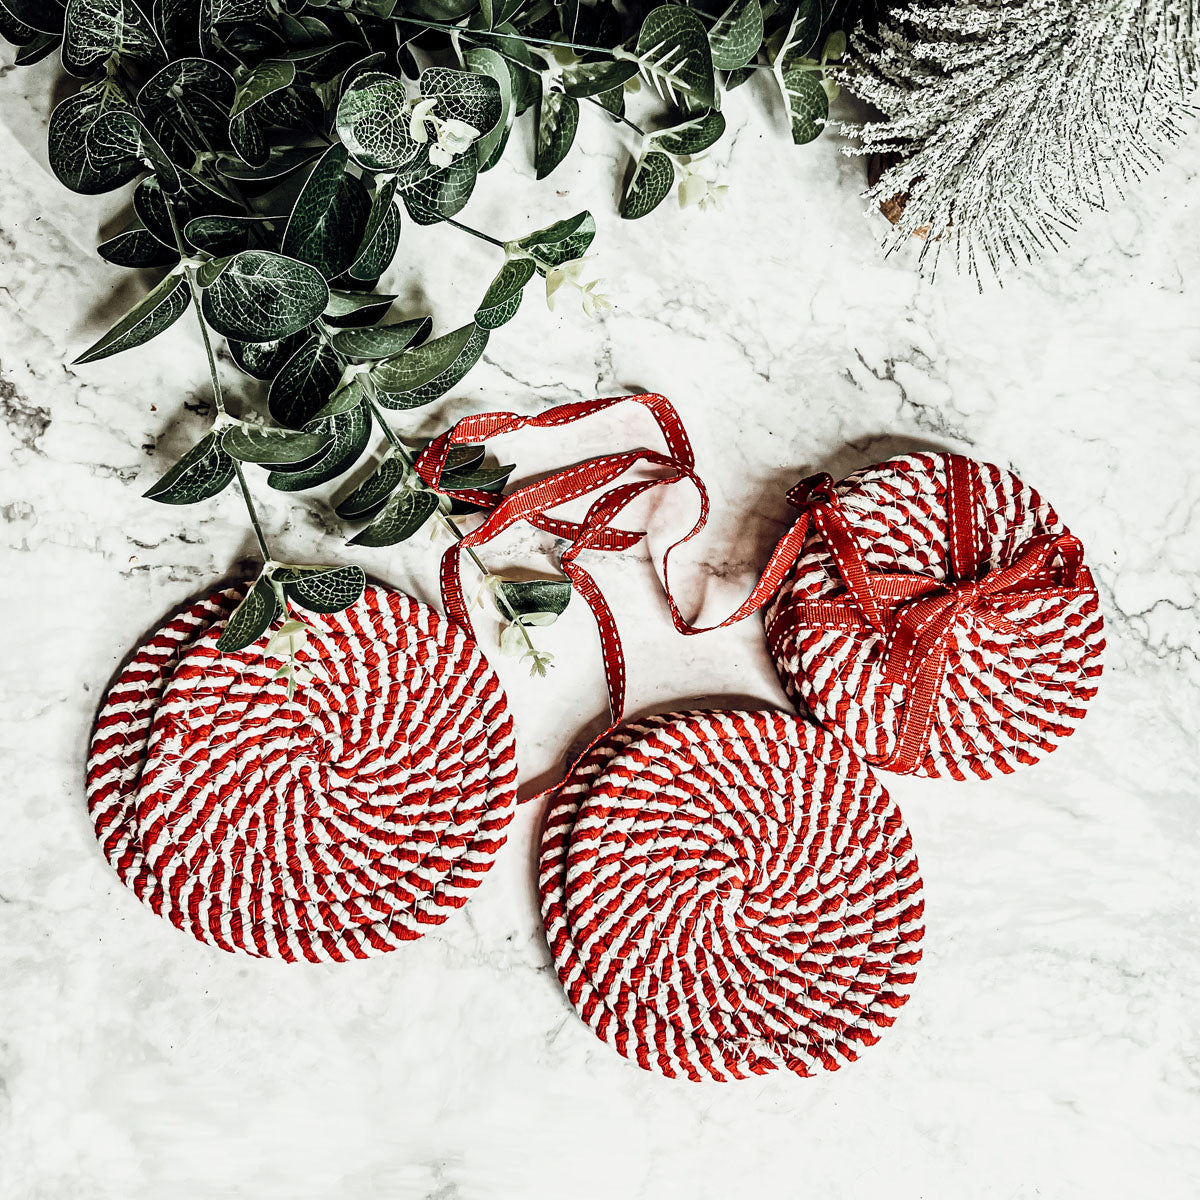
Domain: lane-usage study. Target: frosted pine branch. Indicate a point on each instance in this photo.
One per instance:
(1013, 117)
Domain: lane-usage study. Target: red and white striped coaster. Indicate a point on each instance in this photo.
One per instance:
(730, 893)
(939, 618)
(333, 826)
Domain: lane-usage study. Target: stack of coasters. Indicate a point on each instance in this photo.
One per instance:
(334, 825)
(939, 618)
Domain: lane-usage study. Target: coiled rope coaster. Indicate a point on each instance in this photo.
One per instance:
(730, 893)
(939, 617)
(333, 826)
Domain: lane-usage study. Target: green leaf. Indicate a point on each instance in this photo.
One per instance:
(264, 360)
(96, 29)
(41, 46)
(432, 194)
(381, 237)
(594, 79)
(272, 447)
(399, 518)
(808, 105)
(485, 61)
(188, 97)
(675, 57)
(356, 308)
(156, 311)
(138, 248)
(422, 374)
(373, 122)
(80, 162)
(464, 96)
(251, 619)
(120, 135)
(504, 295)
(46, 16)
(261, 296)
(652, 181)
(305, 383)
(280, 162)
(348, 434)
(476, 476)
(329, 217)
(381, 341)
(221, 235)
(692, 136)
(557, 123)
(322, 589)
(561, 242)
(737, 36)
(263, 84)
(202, 472)
(369, 495)
(530, 597)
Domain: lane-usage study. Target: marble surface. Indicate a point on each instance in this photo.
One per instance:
(1051, 1048)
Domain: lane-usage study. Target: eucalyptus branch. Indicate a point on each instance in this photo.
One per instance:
(214, 375)
(406, 456)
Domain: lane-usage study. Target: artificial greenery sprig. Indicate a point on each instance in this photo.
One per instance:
(272, 147)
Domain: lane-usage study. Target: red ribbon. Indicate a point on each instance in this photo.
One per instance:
(917, 614)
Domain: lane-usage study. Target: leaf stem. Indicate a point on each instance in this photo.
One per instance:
(218, 394)
(619, 116)
(483, 237)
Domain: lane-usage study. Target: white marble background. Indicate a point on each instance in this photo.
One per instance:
(1051, 1048)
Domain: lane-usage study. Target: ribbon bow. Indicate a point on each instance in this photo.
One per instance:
(916, 614)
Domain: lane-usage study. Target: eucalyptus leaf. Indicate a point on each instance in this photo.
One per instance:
(95, 29)
(356, 308)
(329, 217)
(272, 447)
(373, 122)
(420, 375)
(529, 597)
(261, 296)
(485, 61)
(202, 472)
(138, 248)
(380, 238)
(381, 341)
(692, 136)
(160, 308)
(368, 497)
(674, 54)
(468, 96)
(251, 619)
(432, 195)
(80, 161)
(41, 46)
(261, 85)
(653, 178)
(737, 35)
(808, 104)
(561, 242)
(44, 16)
(305, 383)
(348, 434)
(594, 79)
(400, 517)
(222, 235)
(557, 124)
(476, 477)
(322, 589)
(502, 298)
(264, 360)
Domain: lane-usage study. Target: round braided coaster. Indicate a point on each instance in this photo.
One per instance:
(1018, 669)
(728, 893)
(330, 827)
